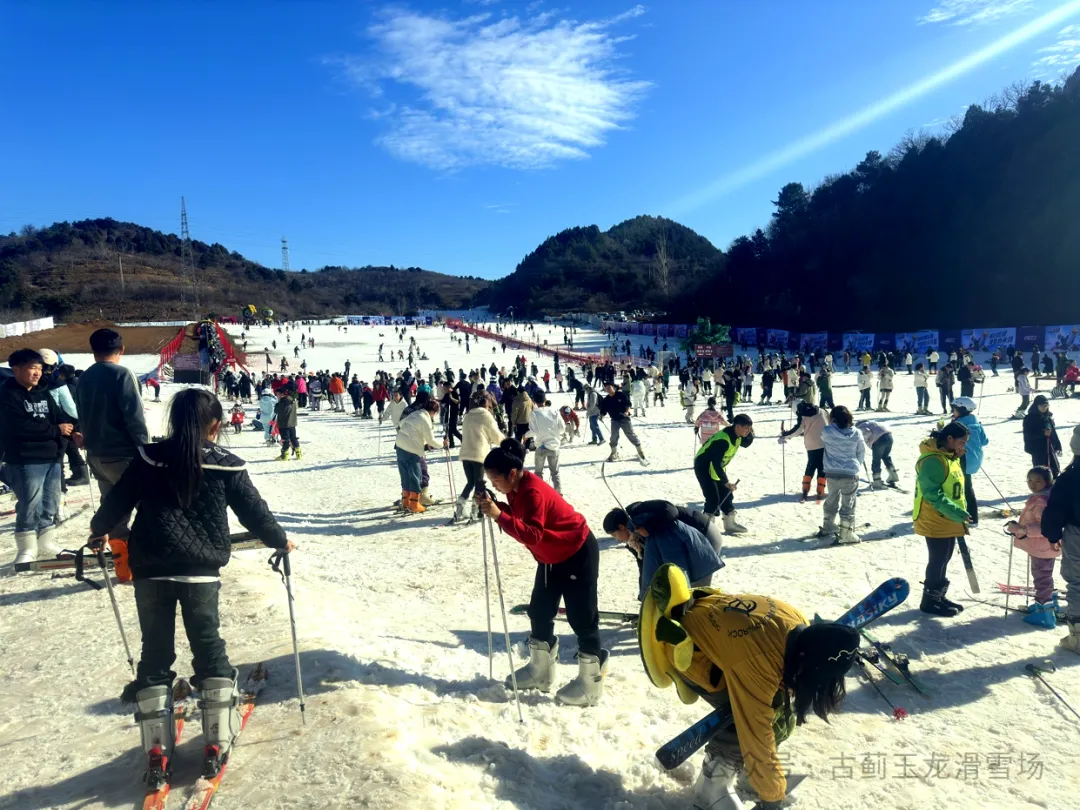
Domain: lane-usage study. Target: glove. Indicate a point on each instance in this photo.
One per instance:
(782, 440)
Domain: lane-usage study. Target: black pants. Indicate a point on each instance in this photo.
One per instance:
(451, 425)
(826, 401)
(520, 431)
(156, 602)
(939, 552)
(474, 476)
(946, 398)
(718, 498)
(1045, 458)
(969, 493)
(572, 581)
(288, 439)
(815, 462)
(729, 406)
(864, 398)
(75, 460)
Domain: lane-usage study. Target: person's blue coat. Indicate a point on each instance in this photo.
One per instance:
(682, 545)
(976, 442)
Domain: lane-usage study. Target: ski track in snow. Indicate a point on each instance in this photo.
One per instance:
(390, 613)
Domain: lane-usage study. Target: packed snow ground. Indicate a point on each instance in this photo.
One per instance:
(401, 713)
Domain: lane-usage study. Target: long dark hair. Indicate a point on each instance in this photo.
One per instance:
(953, 430)
(191, 413)
(509, 455)
(816, 659)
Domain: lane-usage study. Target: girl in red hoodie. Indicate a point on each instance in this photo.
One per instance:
(568, 566)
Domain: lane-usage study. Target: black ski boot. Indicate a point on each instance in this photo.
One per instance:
(948, 602)
(933, 601)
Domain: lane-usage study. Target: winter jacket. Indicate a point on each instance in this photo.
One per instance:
(61, 394)
(538, 518)
(616, 406)
(111, 411)
(1027, 530)
(871, 431)
(301, 385)
(866, 380)
(681, 545)
(1036, 424)
(921, 379)
(739, 642)
(28, 425)
(522, 408)
(824, 384)
(945, 379)
(237, 417)
(479, 431)
(415, 433)
(807, 392)
(285, 413)
(714, 456)
(546, 427)
(1023, 386)
(688, 395)
(885, 379)
(1061, 517)
(592, 400)
(973, 457)
(266, 407)
(394, 411)
(937, 512)
(810, 428)
(637, 392)
(168, 539)
(336, 386)
(845, 451)
(708, 423)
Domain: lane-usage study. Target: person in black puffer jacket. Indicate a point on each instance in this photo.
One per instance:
(1041, 440)
(179, 541)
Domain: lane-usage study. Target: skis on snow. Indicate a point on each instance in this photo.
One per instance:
(879, 602)
(159, 764)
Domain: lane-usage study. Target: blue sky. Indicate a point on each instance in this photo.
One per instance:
(456, 136)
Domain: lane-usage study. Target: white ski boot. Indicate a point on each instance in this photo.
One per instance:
(1071, 642)
(877, 483)
(847, 533)
(219, 702)
(732, 526)
(1020, 413)
(588, 687)
(829, 528)
(715, 785)
(459, 509)
(158, 729)
(894, 477)
(641, 456)
(427, 500)
(46, 544)
(26, 547)
(539, 672)
(614, 455)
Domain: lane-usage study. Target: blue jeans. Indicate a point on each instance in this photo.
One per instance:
(37, 494)
(594, 426)
(408, 465)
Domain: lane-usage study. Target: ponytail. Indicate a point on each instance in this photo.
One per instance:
(191, 415)
(509, 455)
(953, 430)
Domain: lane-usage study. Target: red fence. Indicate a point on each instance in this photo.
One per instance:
(514, 343)
(169, 350)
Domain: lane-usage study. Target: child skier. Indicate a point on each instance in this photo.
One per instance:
(571, 424)
(709, 422)
(710, 469)
(285, 416)
(1023, 388)
(1028, 537)
(865, 382)
(1061, 526)
(845, 455)
(879, 439)
(237, 417)
(688, 396)
(885, 387)
(922, 394)
(179, 541)
(545, 429)
(812, 421)
(963, 411)
(266, 413)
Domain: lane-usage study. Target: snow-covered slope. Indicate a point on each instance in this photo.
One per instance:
(401, 712)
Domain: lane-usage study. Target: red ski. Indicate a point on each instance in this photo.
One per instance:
(159, 766)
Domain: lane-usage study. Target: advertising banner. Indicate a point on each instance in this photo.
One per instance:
(635, 328)
(662, 330)
(856, 342)
(883, 342)
(776, 339)
(746, 335)
(648, 328)
(681, 330)
(1028, 337)
(1062, 338)
(917, 341)
(813, 341)
(950, 340)
(986, 340)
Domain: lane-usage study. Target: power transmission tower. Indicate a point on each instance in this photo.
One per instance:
(187, 262)
(284, 255)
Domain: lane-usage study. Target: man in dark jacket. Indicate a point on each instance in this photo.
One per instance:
(33, 431)
(965, 375)
(1061, 526)
(616, 406)
(111, 416)
(451, 404)
(285, 416)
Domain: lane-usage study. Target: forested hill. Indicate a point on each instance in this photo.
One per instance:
(71, 270)
(641, 263)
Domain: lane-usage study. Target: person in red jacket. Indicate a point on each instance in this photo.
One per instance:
(568, 566)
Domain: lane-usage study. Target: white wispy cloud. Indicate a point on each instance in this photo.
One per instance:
(973, 12)
(1063, 55)
(501, 208)
(862, 118)
(516, 92)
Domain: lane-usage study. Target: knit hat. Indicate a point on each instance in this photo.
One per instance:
(1074, 442)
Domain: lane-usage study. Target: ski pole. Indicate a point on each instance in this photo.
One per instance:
(280, 563)
(487, 600)
(450, 474)
(506, 628)
(1008, 576)
(1000, 495)
(1036, 671)
(99, 551)
(783, 460)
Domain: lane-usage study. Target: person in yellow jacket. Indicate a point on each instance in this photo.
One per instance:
(753, 654)
(940, 511)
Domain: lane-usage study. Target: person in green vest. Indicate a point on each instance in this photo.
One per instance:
(940, 511)
(710, 468)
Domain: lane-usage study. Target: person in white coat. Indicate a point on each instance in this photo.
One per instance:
(922, 390)
(865, 382)
(394, 410)
(688, 394)
(479, 433)
(545, 429)
(885, 387)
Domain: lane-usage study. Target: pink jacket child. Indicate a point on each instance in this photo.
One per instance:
(708, 423)
(1029, 538)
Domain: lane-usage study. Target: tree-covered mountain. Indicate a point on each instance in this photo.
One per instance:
(640, 263)
(72, 270)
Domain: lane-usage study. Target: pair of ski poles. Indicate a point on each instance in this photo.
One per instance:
(487, 530)
(279, 562)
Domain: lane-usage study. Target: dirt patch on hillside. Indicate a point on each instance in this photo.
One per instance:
(75, 338)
